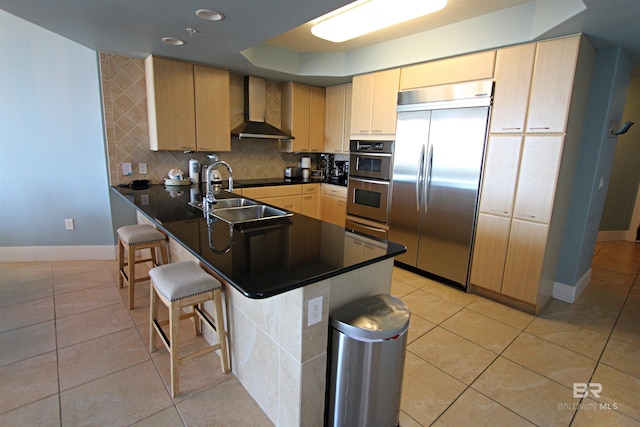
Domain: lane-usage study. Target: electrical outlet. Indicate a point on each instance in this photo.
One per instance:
(126, 169)
(142, 168)
(314, 312)
(68, 224)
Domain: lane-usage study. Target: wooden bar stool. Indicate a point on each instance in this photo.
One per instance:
(179, 285)
(135, 237)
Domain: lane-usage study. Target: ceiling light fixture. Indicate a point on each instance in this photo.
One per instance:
(209, 15)
(172, 41)
(364, 17)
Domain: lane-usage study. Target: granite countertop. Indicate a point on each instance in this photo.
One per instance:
(259, 261)
(265, 182)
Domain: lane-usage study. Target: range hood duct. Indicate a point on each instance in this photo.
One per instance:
(255, 109)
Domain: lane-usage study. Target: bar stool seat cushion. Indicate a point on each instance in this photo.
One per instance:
(182, 280)
(139, 233)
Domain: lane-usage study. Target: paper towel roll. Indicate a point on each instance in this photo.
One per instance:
(305, 162)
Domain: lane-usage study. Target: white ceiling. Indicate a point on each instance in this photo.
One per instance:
(269, 38)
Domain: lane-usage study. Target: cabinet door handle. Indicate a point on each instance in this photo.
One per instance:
(511, 128)
(364, 131)
(499, 211)
(540, 128)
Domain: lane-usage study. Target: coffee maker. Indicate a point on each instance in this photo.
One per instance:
(341, 172)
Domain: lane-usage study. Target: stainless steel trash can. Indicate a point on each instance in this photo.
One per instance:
(368, 346)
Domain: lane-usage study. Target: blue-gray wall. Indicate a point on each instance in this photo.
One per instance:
(625, 176)
(52, 153)
(606, 102)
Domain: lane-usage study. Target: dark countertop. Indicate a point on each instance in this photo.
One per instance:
(262, 261)
(265, 182)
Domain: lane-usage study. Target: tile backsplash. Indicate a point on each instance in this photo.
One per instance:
(127, 129)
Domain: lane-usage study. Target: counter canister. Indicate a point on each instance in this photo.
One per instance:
(367, 353)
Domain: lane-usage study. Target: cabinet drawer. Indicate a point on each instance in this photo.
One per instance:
(310, 188)
(334, 190)
(290, 203)
(272, 191)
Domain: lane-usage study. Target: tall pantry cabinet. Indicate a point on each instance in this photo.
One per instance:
(540, 99)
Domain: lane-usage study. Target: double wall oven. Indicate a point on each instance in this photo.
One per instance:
(369, 188)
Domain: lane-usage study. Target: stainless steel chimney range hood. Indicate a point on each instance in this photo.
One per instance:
(255, 108)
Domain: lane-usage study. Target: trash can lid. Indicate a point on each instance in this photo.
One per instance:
(376, 318)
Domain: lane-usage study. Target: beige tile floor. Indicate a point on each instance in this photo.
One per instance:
(71, 354)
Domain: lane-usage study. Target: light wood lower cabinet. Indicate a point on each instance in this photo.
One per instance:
(299, 198)
(311, 201)
(516, 207)
(334, 204)
(525, 257)
(490, 252)
(358, 249)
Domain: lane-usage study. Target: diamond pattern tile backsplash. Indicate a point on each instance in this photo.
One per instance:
(127, 129)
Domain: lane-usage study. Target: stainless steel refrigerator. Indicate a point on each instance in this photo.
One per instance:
(440, 139)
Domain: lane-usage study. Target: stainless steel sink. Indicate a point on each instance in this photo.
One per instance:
(240, 210)
(227, 203)
(233, 203)
(251, 213)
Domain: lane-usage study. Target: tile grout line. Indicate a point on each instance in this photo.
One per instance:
(604, 348)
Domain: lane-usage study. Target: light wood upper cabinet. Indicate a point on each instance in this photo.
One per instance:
(514, 68)
(500, 175)
(552, 84)
(303, 111)
(213, 110)
(373, 106)
(170, 104)
(188, 106)
(337, 124)
(538, 177)
(476, 66)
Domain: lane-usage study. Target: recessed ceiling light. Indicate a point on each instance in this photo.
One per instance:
(172, 41)
(366, 16)
(209, 15)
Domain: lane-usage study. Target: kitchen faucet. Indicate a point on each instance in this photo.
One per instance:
(209, 197)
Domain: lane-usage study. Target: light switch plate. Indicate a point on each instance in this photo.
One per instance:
(126, 169)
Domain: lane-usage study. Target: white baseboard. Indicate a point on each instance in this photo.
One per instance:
(56, 253)
(568, 293)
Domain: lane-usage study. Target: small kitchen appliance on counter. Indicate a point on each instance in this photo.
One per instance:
(305, 164)
(292, 172)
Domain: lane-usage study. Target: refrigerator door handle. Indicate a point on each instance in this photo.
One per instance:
(427, 185)
(419, 179)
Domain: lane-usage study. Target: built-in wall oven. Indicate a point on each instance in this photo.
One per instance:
(369, 187)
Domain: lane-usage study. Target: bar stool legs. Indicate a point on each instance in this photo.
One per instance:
(138, 237)
(180, 285)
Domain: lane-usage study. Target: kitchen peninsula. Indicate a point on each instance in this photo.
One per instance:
(270, 272)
